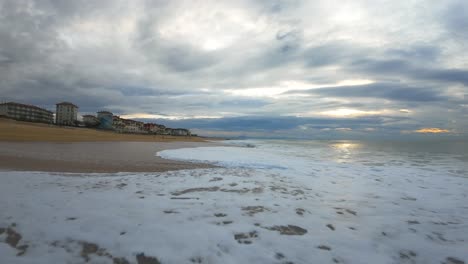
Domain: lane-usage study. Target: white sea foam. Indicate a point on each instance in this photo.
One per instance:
(380, 207)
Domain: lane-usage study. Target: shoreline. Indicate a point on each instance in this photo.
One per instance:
(94, 157)
(19, 131)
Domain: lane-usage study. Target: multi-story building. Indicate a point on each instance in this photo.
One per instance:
(154, 128)
(118, 124)
(66, 114)
(23, 112)
(90, 121)
(167, 131)
(133, 126)
(180, 132)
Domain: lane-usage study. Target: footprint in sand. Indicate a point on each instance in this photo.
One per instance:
(13, 238)
(245, 238)
(300, 211)
(342, 211)
(228, 222)
(324, 247)
(452, 260)
(252, 210)
(220, 215)
(290, 230)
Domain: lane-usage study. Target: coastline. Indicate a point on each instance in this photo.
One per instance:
(18, 131)
(29, 146)
(94, 157)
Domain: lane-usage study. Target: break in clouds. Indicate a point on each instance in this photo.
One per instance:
(320, 69)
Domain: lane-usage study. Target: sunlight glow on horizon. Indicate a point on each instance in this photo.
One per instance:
(432, 130)
(348, 112)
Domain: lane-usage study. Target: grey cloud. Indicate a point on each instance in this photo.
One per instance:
(176, 56)
(404, 68)
(277, 6)
(25, 36)
(185, 59)
(455, 19)
(145, 91)
(443, 75)
(47, 55)
(285, 49)
(409, 63)
(419, 53)
(391, 91)
(331, 53)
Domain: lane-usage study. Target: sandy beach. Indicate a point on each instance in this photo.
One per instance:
(17, 131)
(40, 147)
(89, 157)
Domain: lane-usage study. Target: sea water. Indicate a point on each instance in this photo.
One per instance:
(268, 201)
(383, 202)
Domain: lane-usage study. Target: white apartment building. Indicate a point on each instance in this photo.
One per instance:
(66, 114)
(24, 112)
(180, 132)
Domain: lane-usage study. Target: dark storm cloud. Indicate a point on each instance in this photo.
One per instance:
(351, 55)
(390, 91)
(411, 63)
(400, 67)
(266, 124)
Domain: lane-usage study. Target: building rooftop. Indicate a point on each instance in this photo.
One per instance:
(26, 105)
(67, 103)
(105, 112)
(89, 116)
(133, 121)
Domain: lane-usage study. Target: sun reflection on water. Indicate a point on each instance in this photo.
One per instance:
(344, 150)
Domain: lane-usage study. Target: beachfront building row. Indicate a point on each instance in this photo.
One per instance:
(154, 128)
(24, 112)
(180, 132)
(90, 121)
(123, 125)
(108, 121)
(67, 115)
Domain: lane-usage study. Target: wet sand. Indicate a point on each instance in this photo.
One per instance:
(89, 157)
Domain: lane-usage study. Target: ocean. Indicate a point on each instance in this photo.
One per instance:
(269, 201)
(368, 201)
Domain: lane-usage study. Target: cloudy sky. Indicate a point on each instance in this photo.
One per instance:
(321, 69)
